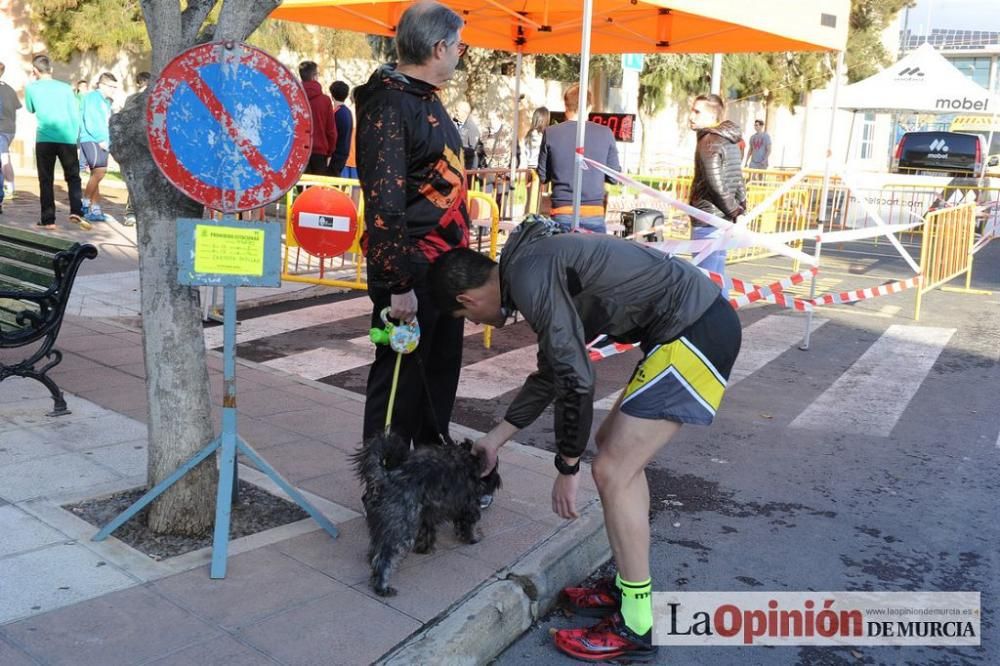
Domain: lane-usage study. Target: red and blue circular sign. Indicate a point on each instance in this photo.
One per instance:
(229, 126)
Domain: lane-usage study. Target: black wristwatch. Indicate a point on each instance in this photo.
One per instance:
(565, 468)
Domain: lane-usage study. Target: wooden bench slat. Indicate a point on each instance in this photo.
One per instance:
(35, 239)
(9, 283)
(27, 274)
(8, 319)
(27, 255)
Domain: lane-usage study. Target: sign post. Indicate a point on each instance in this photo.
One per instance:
(229, 126)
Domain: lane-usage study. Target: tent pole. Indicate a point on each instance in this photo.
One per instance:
(716, 73)
(850, 137)
(825, 192)
(989, 143)
(515, 134)
(581, 118)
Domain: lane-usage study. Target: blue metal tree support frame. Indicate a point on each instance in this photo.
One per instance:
(229, 441)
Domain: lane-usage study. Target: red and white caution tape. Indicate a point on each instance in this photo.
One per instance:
(773, 292)
(600, 348)
(870, 292)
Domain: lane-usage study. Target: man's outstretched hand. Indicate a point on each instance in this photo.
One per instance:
(489, 448)
(564, 495)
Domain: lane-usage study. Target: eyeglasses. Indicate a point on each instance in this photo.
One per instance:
(461, 47)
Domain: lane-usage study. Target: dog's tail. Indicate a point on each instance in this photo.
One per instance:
(377, 456)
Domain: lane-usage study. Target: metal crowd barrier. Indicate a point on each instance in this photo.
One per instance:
(513, 203)
(946, 250)
(303, 268)
(790, 212)
(484, 218)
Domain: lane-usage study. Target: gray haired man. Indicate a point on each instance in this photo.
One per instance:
(409, 155)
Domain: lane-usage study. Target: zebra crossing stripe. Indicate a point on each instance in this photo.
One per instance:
(863, 400)
(285, 322)
(492, 377)
(766, 340)
(325, 361)
(763, 341)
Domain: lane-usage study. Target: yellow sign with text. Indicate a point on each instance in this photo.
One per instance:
(228, 250)
(975, 124)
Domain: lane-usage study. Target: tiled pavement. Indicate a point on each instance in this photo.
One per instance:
(292, 595)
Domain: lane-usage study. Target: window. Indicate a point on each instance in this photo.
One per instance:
(867, 136)
(977, 69)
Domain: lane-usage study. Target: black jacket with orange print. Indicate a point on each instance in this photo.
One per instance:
(409, 155)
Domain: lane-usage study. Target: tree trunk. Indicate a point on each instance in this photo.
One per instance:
(177, 386)
(646, 121)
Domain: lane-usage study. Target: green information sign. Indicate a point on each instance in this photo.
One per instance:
(228, 252)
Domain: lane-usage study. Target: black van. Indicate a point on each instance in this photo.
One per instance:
(939, 153)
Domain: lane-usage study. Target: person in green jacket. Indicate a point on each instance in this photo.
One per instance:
(54, 105)
(95, 141)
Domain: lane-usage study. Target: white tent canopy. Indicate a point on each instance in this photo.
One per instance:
(922, 82)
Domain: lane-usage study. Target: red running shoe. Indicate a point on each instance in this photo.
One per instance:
(599, 600)
(608, 641)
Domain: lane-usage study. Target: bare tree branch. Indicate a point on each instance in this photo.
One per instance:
(193, 17)
(239, 18)
(163, 23)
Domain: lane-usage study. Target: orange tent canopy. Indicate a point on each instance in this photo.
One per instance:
(618, 26)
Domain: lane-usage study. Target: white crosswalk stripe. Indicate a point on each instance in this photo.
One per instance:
(284, 322)
(763, 341)
(766, 340)
(862, 400)
(325, 361)
(492, 377)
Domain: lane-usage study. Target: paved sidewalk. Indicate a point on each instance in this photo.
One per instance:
(292, 595)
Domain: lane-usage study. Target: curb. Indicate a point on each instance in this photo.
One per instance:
(494, 615)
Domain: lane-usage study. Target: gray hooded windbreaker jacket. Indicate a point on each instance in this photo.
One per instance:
(572, 287)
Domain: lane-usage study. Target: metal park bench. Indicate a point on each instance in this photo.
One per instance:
(36, 275)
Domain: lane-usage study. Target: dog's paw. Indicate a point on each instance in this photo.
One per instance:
(386, 591)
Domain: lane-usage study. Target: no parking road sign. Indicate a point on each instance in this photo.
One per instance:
(229, 126)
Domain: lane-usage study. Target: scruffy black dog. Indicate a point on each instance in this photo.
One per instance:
(408, 493)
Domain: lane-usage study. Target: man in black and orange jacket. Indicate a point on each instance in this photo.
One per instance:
(409, 156)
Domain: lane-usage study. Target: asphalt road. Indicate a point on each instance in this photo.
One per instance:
(868, 462)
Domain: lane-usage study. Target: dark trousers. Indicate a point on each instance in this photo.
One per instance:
(46, 154)
(440, 350)
(337, 164)
(317, 165)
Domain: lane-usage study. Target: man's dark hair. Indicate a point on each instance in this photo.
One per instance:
(308, 70)
(456, 272)
(758, 122)
(106, 76)
(421, 27)
(714, 102)
(142, 79)
(339, 90)
(41, 64)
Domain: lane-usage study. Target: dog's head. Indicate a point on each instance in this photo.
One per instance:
(490, 483)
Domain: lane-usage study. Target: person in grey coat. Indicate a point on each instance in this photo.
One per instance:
(717, 186)
(571, 288)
